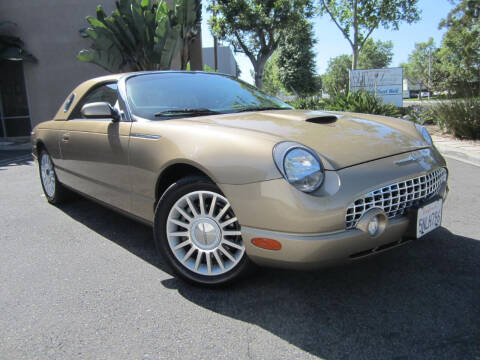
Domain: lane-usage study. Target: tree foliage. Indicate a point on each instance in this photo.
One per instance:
(357, 19)
(459, 55)
(255, 27)
(140, 34)
(423, 65)
(296, 60)
(335, 79)
(375, 54)
(271, 82)
(12, 47)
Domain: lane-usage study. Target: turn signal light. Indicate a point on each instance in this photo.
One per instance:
(268, 244)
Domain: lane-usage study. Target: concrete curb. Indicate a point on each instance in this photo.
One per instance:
(458, 150)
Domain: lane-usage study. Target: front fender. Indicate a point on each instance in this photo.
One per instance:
(227, 156)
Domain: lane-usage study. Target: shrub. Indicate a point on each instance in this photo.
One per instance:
(361, 102)
(308, 103)
(460, 117)
(421, 114)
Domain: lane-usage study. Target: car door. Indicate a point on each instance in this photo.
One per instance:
(95, 151)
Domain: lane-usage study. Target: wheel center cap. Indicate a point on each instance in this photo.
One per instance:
(205, 233)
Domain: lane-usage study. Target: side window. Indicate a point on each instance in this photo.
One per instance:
(103, 93)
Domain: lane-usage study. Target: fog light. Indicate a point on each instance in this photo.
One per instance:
(373, 226)
(373, 222)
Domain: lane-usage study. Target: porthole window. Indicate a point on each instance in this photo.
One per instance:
(68, 103)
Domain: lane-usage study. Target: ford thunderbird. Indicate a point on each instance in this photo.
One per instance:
(229, 177)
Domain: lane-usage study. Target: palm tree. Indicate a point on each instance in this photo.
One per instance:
(142, 34)
(191, 47)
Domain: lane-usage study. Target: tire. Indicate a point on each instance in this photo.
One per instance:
(54, 191)
(204, 247)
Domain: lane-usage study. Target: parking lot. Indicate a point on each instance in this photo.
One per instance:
(82, 282)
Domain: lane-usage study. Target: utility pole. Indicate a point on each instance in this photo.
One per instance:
(215, 42)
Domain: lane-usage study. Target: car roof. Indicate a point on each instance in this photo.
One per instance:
(85, 86)
(81, 89)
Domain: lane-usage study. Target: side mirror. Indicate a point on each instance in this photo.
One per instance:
(100, 110)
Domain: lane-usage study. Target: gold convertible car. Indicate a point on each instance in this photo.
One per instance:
(229, 176)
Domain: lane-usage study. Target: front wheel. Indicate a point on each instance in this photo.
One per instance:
(54, 191)
(197, 232)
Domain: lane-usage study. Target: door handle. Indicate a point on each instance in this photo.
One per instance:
(66, 137)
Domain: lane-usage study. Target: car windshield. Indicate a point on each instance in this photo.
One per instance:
(160, 96)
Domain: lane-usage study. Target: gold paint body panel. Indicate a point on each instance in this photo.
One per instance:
(120, 163)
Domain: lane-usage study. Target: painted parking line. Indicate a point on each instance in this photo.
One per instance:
(16, 159)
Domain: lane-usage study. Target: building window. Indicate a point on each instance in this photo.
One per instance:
(14, 114)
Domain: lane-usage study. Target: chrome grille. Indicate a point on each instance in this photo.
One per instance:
(395, 198)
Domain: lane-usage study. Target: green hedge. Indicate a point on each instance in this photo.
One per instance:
(308, 103)
(459, 117)
(422, 114)
(359, 101)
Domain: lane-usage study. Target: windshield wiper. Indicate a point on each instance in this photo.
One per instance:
(261, 109)
(175, 112)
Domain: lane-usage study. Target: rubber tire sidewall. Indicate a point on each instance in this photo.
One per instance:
(60, 194)
(165, 204)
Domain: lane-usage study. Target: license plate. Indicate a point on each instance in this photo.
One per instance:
(429, 217)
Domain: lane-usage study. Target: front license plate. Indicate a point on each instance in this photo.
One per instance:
(429, 217)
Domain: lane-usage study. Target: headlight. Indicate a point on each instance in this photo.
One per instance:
(424, 132)
(299, 165)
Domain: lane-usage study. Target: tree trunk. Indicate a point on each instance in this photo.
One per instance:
(196, 56)
(354, 57)
(258, 67)
(183, 54)
(355, 36)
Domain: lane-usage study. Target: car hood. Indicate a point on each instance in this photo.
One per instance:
(343, 139)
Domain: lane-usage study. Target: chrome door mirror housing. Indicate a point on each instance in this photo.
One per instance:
(100, 110)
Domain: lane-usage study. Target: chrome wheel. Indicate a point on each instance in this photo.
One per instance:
(204, 234)
(47, 174)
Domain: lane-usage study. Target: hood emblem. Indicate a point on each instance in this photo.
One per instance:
(411, 158)
(421, 157)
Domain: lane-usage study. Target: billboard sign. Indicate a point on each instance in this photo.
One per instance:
(385, 83)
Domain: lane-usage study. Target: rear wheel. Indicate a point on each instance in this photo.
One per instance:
(54, 191)
(197, 232)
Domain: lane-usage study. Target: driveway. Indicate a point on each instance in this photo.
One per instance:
(82, 282)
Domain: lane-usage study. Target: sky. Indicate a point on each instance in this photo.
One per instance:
(331, 43)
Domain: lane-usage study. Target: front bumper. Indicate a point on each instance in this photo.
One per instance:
(312, 227)
(300, 251)
(277, 206)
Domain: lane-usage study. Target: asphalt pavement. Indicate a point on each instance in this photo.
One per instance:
(79, 281)
(14, 156)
